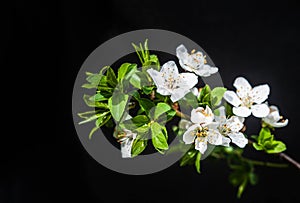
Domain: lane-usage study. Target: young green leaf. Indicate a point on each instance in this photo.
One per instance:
(98, 97)
(188, 157)
(138, 147)
(122, 71)
(90, 103)
(111, 77)
(146, 104)
(277, 147)
(160, 109)
(159, 140)
(93, 131)
(117, 104)
(197, 162)
(217, 95)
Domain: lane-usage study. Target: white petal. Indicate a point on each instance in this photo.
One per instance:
(225, 141)
(222, 114)
(181, 52)
(206, 70)
(185, 67)
(234, 124)
(201, 145)
(195, 91)
(241, 111)
(178, 94)
(260, 110)
(127, 145)
(280, 124)
(238, 139)
(188, 79)
(201, 115)
(242, 86)
(169, 69)
(156, 76)
(212, 125)
(232, 98)
(260, 93)
(163, 91)
(214, 137)
(189, 135)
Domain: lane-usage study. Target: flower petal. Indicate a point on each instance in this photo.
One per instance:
(178, 94)
(232, 98)
(214, 137)
(188, 80)
(201, 115)
(238, 139)
(189, 135)
(280, 124)
(234, 124)
(126, 145)
(201, 145)
(260, 93)
(156, 76)
(169, 69)
(260, 110)
(163, 91)
(225, 141)
(242, 87)
(206, 70)
(221, 117)
(241, 111)
(181, 52)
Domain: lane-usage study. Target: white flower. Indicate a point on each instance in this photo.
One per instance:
(170, 82)
(126, 138)
(194, 62)
(274, 119)
(248, 100)
(231, 128)
(203, 130)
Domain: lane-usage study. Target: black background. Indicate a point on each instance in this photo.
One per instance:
(255, 39)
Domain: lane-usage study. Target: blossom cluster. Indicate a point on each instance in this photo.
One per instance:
(205, 127)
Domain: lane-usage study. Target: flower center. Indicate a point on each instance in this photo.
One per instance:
(171, 83)
(224, 129)
(201, 132)
(247, 101)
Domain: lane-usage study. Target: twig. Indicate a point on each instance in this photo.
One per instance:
(284, 156)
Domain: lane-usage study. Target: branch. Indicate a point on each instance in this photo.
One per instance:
(284, 156)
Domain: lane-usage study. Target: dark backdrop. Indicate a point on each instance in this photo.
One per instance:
(259, 40)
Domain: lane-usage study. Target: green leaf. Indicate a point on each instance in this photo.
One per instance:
(257, 146)
(117, 104)
(102, 120)
(264, 135)
(277, 147)
(111, 77)
(147, 89)
(89, 86)
(138, 147)
(98, 97)
(159, 140)
(122, 71)
(135, 122)
(253, 179)
(160, 109)
(90, 103)
(93, 117)
(146, 104)
(204, 92)
(190, 99)
(135, 80)
(132, 69)
(188, 157)
(94, 79)
(93, 131)
(197, 162)
(86, 114)
(242, 188)
(217, 95)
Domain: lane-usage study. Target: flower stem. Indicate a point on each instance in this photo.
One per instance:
(269, 164)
